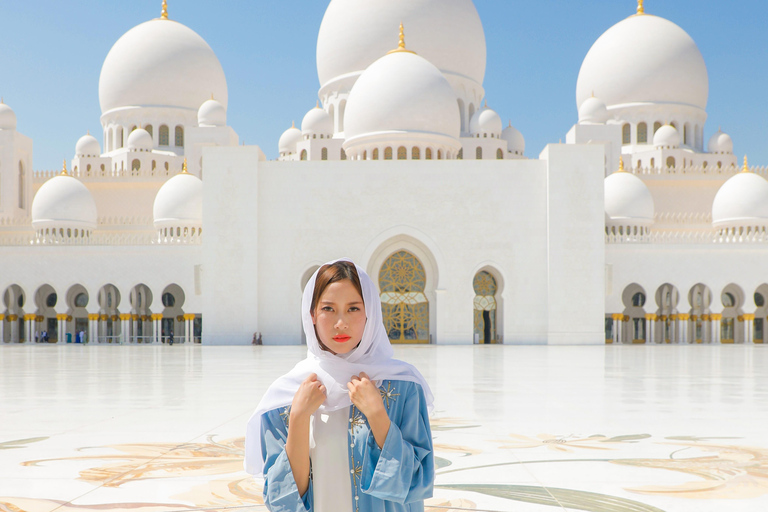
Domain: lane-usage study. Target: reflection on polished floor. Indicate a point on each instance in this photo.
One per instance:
(516, 428)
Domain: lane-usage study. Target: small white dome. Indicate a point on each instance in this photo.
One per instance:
(87, 145)
(667, 137)
(515, 140)
(402, 97)
(7, 117)
(317, 122)
(212, 113)
(628, 202)
(741, 201)
(63, 202)
(485, 122)
(644, 59)
(160, 63)
(140, 140)
(593, 111)
(179, 203)
(721, 143)
(288, 140)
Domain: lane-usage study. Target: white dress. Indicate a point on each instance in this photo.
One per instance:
(328, 450)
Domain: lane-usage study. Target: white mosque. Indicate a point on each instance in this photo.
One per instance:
(633, 231)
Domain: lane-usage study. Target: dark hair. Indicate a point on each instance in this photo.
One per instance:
(333, 273)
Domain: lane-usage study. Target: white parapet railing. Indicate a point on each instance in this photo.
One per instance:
(730, 236)
(711, 171)
(160, 173)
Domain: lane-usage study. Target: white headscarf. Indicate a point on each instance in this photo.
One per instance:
(373, 356)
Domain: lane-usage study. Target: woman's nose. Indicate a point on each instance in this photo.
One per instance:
(340, 323)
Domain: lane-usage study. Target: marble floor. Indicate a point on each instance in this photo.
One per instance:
(516, 428)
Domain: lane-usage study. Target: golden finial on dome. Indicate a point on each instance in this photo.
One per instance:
(184, 167)
(746, 165)
(293, 124)
(621, 164)
(64, 169)
(640, 8)
(401, 43)
(317, 104)
(164, 14)
(211, 95)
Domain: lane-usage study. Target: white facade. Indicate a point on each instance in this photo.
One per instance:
(632, 231)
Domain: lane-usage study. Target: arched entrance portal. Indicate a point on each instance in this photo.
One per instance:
(485, 307)
(404, 307)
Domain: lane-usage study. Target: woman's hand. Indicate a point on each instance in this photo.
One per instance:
(308, 398)
(365, 395)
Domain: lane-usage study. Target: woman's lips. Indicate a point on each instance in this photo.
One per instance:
(341, 338)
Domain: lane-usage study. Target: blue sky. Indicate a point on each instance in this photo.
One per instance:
(51, 52)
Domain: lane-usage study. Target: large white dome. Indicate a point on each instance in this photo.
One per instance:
(63, 202)
(356, 33)
(161, 63)
(179, 203)
(402, 97)
(741, 201)
(628, 202)
(644, 59)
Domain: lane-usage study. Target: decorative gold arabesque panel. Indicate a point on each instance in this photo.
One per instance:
(404, 307)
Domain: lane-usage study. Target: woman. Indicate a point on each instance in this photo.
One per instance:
(348, 428)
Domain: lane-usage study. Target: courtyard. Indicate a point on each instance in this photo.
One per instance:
(148, 428)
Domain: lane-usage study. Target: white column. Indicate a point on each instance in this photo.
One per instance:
(60, 330)
(14, 329)
(2, 328)
(123, 329)
(30, 334)
(716, 328)
(748, 326)
(650, 335)
(620, 331)
(683, 329)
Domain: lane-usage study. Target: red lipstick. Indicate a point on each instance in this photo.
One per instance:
(341, 338)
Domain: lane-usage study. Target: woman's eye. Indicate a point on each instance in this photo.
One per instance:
(327, 308)
(354, 308)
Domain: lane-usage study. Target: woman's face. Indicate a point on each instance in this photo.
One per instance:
(339, 317)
